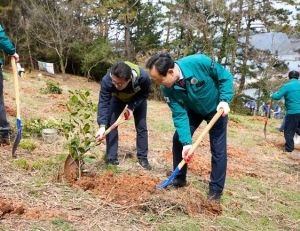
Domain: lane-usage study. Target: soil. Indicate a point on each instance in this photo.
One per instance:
(132, 190)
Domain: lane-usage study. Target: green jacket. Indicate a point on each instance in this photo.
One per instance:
(291, 93)
(207, 83)
(5, 44)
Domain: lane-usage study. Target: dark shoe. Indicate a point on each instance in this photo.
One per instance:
(6, 137)
(145, 164)
(214, 196)
(179, 182)
(112, 162)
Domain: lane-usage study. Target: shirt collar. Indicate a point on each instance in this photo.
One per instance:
(180, 73)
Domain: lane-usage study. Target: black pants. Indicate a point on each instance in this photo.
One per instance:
(139, 114)
(4, 125)
(218, 148)
(292, 123)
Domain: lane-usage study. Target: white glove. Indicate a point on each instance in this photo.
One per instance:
(99, 135)
(185, 151)
(225, 107)
(128, 114)
(16, 57)
(271, 94)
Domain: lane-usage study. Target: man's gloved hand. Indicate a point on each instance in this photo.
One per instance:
(225, 107)
(185, 151)
(271, 94)
(100, 133)
(16, 57)
(128, 114)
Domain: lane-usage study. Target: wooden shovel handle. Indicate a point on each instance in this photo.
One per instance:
(205, 131)
(16, 83)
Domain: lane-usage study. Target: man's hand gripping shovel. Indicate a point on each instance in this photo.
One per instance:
(121, 119)
(72, 164)
(192, 150)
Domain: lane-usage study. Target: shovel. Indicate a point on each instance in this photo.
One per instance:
(72, 165)
(18, 122)
(193, 148)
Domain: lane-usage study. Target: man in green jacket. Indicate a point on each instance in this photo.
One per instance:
(291, 93)
(8, 48)
(195, 88)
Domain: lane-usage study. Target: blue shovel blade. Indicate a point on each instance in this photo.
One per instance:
(18, 137)
(171, 178)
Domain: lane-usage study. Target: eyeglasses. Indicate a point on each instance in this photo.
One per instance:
(117, 84)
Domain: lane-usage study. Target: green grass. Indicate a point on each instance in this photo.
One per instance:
(62, 225)
(261, 202)
(27, 144)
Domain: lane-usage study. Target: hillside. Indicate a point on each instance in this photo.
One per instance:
(261, 192)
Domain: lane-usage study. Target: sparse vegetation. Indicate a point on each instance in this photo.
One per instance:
(34, 126)
(52, 88)
(27, 144)
(262, 183)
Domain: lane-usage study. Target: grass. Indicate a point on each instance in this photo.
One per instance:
(27, 144)
(63, 225)
(261, 190)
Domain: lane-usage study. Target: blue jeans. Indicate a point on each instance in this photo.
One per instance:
(112, 139)
(218, 148)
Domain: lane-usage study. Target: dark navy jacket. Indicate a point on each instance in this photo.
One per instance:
(134, 94)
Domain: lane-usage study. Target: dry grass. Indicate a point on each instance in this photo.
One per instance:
(262, 187)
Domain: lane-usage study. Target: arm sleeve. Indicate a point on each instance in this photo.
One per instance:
(180, 118)
(104, 100)
(280, 93)
(5, 44)
(225, 82)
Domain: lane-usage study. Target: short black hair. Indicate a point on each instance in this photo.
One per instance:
(162, 61)
(293, 75)
(121, 70)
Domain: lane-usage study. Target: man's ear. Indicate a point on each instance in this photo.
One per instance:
(170, 71)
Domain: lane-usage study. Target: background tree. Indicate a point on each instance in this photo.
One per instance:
(56, 25)
(85, 37)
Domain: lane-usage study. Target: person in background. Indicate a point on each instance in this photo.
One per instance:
(291, 93)
(277, 112)
(7, 46)
(252, 106)
(195, 88)
(20, 70)
(266, 109)
(125, 84)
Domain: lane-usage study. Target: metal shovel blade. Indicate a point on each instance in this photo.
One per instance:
(169, 181)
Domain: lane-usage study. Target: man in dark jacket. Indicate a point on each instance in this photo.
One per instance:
(195, 88)
(291, 93)
(125, 84)
(8, 48)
